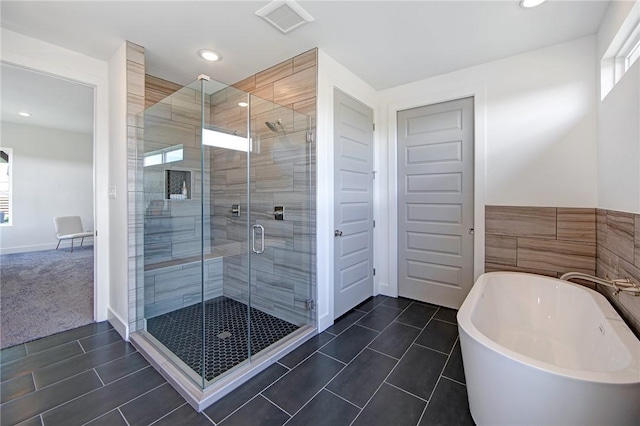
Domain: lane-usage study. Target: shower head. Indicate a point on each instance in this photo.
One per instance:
(273, 125)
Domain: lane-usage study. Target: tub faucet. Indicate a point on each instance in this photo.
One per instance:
(618, 284)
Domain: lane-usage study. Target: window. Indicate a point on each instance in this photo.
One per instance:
(6, 162)
(623, 51)
(166, 155)
(633, 55)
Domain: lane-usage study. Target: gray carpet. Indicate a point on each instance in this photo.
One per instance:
(44, 293)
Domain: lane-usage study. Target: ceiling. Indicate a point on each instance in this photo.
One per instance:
(385, 43)
(53, 102)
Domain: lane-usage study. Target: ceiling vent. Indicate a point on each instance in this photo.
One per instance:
(285, 15)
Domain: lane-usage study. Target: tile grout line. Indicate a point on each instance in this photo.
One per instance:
(89, 369)
(339, 371)
(439, 377)
(207, 417)
(122, 414)
(382, 353)
(453, 380)
(434, 350)
(407, 392)
(99, 378)
(342, 398)
(142, 394)
(394, 367)
(309, 356)
(35, 385)
(172, 411)
(279, 407)
(91, 391)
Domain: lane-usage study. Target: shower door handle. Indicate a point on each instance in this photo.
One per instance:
(253, 242)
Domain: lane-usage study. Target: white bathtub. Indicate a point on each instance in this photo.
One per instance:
(541, 351)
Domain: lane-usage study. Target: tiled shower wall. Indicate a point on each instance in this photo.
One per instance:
(551, 241)
(135, 105)
(174, 228)
(282, 174)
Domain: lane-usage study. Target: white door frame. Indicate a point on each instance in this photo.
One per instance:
(27, 52)
(478, 94)
(332, 75)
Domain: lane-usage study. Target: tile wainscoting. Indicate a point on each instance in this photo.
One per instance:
(554, 240)
(618, 256)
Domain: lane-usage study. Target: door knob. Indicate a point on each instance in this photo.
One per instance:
(337, 233)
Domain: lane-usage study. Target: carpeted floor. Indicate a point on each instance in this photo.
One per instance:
(44, 293)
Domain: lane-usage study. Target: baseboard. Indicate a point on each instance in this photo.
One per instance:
(37, 247)
(386, 290)
(324, 322)
(120, 325)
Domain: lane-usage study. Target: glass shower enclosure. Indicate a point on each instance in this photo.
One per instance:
(228, 228)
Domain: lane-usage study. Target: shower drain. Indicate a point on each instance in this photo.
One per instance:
(224, 335)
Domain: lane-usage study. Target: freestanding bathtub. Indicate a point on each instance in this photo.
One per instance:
(541, 351)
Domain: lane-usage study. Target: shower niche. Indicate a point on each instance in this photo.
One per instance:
(178, 185)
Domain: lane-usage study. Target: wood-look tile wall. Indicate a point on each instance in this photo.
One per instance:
(551, 241)
(282, 174)
(618, 256)
(135, 105)
(543, 240)
(173, 229)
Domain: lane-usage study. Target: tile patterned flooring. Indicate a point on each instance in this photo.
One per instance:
(387, 362)
(181, 332)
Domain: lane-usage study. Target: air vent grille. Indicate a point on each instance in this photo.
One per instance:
(285, 15)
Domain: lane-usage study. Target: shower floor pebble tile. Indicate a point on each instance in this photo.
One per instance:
(341, 377)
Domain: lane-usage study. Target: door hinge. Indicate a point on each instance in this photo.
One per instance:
(309, 136)
(374, 174)
(374, 223)
(374, 127)
(374, 271)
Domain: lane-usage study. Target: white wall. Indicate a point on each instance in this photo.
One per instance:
(619, 124)
(540, 123)
(118, 219)
(38, 55)
(535, 118)
(52, 176)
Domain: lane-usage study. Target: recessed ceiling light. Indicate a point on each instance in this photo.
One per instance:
(209, 55)
(243, 104)
(527, 4)
(25, 114)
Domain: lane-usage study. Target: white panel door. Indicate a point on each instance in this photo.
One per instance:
(435, 202)
(353, 216)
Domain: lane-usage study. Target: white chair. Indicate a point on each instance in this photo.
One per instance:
(68, 228)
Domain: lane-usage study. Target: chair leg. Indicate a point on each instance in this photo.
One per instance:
(72, 245)
(58, 244)
(81, 241)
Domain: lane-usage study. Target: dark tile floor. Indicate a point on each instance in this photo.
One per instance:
(387, 362)
(225, 334)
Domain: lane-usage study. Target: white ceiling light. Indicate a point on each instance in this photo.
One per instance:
(209, 55)
(24, 114)
(527, 4)
(243, 104)
(285, 15)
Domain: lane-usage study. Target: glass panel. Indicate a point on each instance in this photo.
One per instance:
(174, 231)
(280, 264)
(225, 146)
(225, 276)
